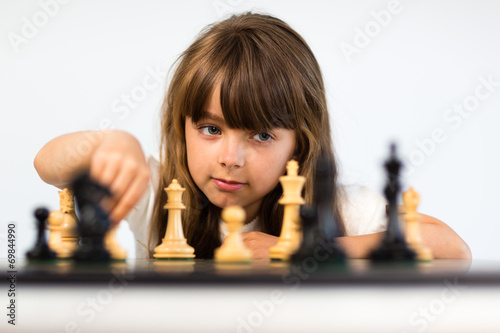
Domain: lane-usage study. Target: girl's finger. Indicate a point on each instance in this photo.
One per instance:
(97, 166)
(129, 170)
(130, 198)
(108, 174)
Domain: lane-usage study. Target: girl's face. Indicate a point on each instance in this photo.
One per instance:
(234, 166)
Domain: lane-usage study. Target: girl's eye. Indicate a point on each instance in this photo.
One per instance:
(210, 130)
(263, 137)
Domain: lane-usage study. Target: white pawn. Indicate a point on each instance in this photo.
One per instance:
(115, 250)
(54, 223)
(411, 200)
(69, 228)
(233, 249)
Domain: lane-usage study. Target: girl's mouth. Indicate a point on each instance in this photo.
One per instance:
(228, 185)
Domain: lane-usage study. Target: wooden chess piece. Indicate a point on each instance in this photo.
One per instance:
(233, 249)
(393, 246)
(320, 225)
(174, 244)
(290, 236)
(115, 250)
(94, 221)
(69, 227)
(41, 250)
(411, 200)
(54, 224)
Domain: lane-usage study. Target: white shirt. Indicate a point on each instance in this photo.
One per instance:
(363, 211)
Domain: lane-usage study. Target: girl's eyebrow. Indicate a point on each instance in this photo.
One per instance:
(210, 116)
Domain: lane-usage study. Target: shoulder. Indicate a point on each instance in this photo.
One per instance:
(362, 209)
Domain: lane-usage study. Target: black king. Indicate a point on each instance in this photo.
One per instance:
(393, 246)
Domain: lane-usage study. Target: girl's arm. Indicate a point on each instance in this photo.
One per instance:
(440, 238)
(444, 242)
(113, 158)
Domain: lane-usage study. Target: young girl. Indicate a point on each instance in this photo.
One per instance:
(246, 97)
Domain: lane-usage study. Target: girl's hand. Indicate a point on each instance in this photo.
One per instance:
(259, 243)
(113, 158)
(118, 163)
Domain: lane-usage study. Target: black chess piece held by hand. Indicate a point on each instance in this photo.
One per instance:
(94, 222)
(41, 250)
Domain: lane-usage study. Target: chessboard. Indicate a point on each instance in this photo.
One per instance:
(260, 271)
(261, 296)
(80, 280)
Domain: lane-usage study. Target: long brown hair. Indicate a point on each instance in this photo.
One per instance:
(268, 78)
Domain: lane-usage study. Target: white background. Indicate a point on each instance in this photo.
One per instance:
(71, 72)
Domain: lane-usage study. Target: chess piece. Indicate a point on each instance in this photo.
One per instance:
(69, 227)
(319, 223)
(411, 200)
(233, 249)
(54, 223)
(41, 250)
(290, 236)
(174, 244)
(112, 245)
(94, 222)
(393, 246)
(310, 230)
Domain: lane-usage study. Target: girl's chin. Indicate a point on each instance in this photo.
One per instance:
(224, 199)
(225, 203)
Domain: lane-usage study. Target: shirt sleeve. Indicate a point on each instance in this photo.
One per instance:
(139, 218)
(363, 211)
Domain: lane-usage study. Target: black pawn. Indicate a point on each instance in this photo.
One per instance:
(314, 243)
(319, 223)
(393, 246)
(41, 250)
(309, 222)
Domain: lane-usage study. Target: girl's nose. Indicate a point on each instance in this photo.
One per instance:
(232, 153)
